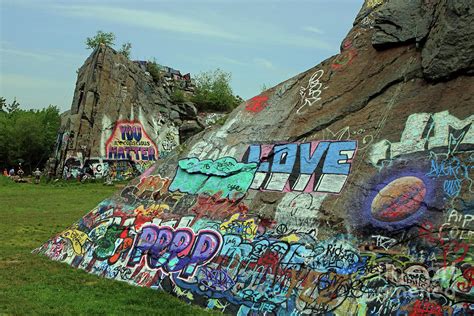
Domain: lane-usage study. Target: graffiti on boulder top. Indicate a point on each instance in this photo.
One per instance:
(130, 141)
(175, 250)
(312, 92)
(318, 166)
(225, 175)
(257, 103)
(426, 131)
(347, 55)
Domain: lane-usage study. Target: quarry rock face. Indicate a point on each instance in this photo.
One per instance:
(345, 190)
(121, 120)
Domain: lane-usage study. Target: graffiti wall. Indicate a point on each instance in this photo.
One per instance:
(326, 195)
(193, 235)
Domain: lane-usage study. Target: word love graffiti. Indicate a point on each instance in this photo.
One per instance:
(318, 166)
(175, 250)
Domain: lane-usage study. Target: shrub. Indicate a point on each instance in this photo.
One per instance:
(126, 49)
(177, 96)
(213, 92)
(154, 69)
(106, 38)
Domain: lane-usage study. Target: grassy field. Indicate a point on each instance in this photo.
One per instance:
(33, 284)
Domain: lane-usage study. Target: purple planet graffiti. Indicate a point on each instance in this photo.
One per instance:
(399, 199)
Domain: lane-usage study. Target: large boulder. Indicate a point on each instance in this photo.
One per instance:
(345, 190)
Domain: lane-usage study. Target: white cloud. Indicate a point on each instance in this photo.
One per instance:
(147, 19)
(41, 56)
(26, 54)
(227, 60)
(264, 63)
(313, 29)
(209, 25)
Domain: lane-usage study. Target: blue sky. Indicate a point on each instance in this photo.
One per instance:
(258, 41)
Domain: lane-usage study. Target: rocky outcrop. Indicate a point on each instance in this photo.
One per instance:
(442, 30)
(345, 190)
(122, 119)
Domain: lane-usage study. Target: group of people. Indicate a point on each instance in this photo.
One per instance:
(20, 173)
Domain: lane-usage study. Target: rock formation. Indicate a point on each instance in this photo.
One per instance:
(121, 120)
(345, 190)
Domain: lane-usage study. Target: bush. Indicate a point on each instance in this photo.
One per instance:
(177, 96)
(154, 69)
(126, 49)
(107, 39)
(213, 92)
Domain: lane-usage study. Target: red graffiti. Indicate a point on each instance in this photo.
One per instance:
(154, 184)
(426, 308)
(271, 259)
(346, 56)
(256, 104)
(451, 248)
(216, 207)
(466, 286)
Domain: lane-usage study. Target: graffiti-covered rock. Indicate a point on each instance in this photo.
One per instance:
(345, 190)
(120, 115)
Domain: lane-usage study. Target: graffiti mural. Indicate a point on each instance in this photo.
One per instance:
(368, 211)
(426, 131)
(224, 175)
(256, 269)
(405, 244)
(308, 167)
(129, 141)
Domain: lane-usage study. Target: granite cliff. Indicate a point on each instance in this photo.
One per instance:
(345, 190)
(122, 120)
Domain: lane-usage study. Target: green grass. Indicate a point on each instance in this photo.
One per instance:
(32, 284)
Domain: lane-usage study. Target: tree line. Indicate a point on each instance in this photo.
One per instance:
(26, 136)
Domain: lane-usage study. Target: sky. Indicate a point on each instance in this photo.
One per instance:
(260, 42)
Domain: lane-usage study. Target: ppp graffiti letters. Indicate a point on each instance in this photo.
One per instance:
(175, 250)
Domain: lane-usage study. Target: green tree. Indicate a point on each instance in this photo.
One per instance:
(213, 92)
(9, 108)
(3, 104)
(126, 49)
(27, 136)
(106, 38)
